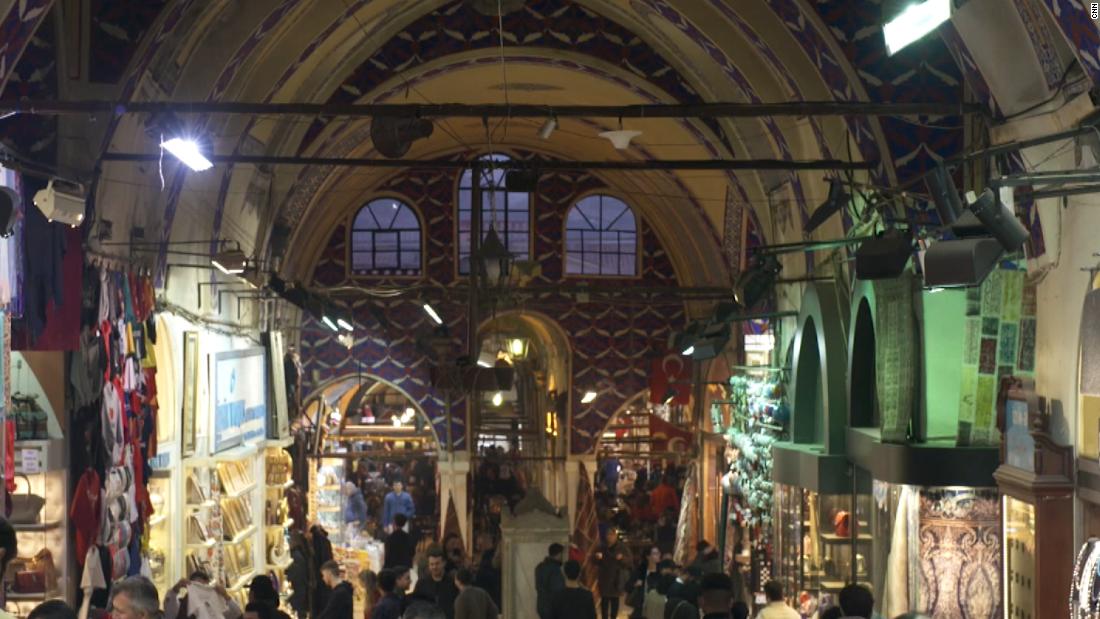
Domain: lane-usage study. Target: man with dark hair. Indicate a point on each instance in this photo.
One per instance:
(262, 590)
(341, 600)
(473, 602)
(574, 601)
(715, 596)
(399, 547)
(437, 585)
(9, 546)
(856, 601)
(52, 609)
(611, 559)
(548, 579)
(396, 502)
(776, 608)
(706, 558)
(423, 610)
(258, 610)
(389, 607)
(683, 594)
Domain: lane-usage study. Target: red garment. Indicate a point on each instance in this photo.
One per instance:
(9, 455)
(84, 512)
(151, 402)
(663, 497)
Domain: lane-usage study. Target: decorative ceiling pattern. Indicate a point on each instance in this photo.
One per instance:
(117, 29)
(18, 26)
(1081, 31)
(611, 344)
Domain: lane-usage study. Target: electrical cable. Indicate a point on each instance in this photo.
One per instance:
(1057, 91)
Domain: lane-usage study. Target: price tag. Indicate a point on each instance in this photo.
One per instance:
(32, 461)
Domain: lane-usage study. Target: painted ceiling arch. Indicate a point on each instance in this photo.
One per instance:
(840, 41)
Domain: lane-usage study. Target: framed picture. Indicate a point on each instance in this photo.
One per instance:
(240, 398)
(190, 389)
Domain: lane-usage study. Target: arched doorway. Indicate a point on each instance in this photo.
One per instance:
(368, 435)
(519, 431)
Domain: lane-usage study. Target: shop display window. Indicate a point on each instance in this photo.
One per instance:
(161, 542)
(326, 500)
(823, 542)
(40, 570)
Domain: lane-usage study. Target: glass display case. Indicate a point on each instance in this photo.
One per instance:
(1019, 531)
(39, 508)
(823, 541)
(326, 500)
(162, 544)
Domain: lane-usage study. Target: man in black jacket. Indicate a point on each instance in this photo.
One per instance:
(549, 580)
(437, 585)
(341, 599)
(399, 546)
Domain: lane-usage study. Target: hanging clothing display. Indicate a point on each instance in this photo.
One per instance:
(113, 375)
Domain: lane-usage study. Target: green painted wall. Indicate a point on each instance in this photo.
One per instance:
(944, 332)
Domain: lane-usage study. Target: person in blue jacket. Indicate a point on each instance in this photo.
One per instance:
(397, 502)
(355, 506)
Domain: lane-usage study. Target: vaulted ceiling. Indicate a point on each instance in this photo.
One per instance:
(552, 52)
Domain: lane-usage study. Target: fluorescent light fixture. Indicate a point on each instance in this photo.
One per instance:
(188, 152)
(232, 262)
(344, 324)
(689, 351)
(328, 323)
(588, 397)
(483, 363)
(670, 395)
(914, 22)
(498, 399)
(428, 309)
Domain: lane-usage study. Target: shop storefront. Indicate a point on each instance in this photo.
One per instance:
(822, 512)
(936, 520)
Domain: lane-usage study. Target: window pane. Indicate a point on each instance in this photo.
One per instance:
(573, 242)
(575, 221)
(573, 264)
(519, 202)
(410, 260)
(410, 239)
(385, 260)
(517, 244)
(627, 265)
(405, 219)
(385, 241)
(360, 260)
(361, 241)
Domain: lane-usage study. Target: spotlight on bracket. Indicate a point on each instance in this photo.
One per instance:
(998, 220)
(230, 262)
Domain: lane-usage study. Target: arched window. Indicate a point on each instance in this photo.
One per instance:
(601, 238)
(508, 211)
(385, 239)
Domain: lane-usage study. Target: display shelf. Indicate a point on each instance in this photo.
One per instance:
(279, 442)
(833, 538)
(195, 507)
(27, 597)
(207, 544)
(44, 526)
(243, 581)
(236, 453)
(242, 536)
(289, 522)
(239, 493)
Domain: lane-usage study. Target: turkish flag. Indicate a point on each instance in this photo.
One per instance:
(665, 436)
(672, 371)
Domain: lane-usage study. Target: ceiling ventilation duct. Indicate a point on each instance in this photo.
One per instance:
(494, 7)
(393, 136)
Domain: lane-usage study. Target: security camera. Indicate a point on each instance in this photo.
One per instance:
(63, 202)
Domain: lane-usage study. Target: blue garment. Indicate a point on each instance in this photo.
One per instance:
(397, 504)
(356, 508)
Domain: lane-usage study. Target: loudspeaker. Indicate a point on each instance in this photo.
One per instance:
(883, 257)
(960, 263)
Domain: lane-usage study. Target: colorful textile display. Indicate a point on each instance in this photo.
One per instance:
(114, 377)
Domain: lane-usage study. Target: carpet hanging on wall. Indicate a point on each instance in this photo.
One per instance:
(896, 350)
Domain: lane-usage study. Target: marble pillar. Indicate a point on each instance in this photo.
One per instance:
(525, 539)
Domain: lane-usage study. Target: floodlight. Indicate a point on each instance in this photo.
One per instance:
(188, 152)
(914, 22)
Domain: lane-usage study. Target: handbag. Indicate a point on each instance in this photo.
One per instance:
(38, 573)
(25, 508)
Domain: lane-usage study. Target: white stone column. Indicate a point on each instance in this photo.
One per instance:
(454, 470)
